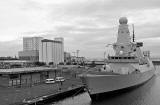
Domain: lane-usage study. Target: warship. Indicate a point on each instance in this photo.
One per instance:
(128, 67)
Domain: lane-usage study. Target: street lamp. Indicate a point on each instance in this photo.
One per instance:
(77, 53)
(104, 55)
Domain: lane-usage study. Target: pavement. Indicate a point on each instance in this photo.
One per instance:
(13, 95)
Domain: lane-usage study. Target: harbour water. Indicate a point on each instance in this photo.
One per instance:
(147, 94)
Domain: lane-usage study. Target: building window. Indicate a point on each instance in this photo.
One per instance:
(13, 76)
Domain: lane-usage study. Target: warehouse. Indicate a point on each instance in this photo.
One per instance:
(26, 76)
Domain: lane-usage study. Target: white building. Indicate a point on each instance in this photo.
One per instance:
(52, 51)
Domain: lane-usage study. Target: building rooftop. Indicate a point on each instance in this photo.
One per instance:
(17, 61)
(48, 40)
(25, 70)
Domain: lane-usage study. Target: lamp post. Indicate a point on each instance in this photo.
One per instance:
(74, 55)
(77, 52)
(104, 55)
(77, 55)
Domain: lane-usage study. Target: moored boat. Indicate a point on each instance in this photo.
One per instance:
(129, 67)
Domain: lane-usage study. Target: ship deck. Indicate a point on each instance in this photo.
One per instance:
(101, 74)
(97, 71)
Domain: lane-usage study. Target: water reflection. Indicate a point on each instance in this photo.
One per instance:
(137, 96)
(147, 94)
(81, 99)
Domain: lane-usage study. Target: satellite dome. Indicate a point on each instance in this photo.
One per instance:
(123, 20)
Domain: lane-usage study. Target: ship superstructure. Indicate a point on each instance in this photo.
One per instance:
(127, 68)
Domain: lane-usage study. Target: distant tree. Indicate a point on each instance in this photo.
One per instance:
(93, 64)
(74, 63)
(16, 66)
(68, 63)
(82, 64)
(51, 63)
(40, 63)
(61, 63)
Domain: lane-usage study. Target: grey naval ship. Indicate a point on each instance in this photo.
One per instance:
(128, 67)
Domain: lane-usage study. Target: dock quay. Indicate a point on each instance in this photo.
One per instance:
(24, 86)
(70, 92)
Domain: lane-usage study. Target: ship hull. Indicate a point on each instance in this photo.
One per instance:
(115, 93)
(98, 84)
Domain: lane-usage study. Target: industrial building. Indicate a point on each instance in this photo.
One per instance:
(25, 76)
(32, 55)
(67, 57)
(30, 49)
(52, 51)
(31, 43)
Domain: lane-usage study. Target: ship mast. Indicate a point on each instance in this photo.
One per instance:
(133, 33)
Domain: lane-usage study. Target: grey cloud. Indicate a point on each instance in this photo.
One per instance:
(31, 5)
(102, 7)
(147, 30)
(90, 24)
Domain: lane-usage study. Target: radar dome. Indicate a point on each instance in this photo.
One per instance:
(123, 20)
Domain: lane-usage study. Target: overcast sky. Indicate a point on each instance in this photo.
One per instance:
(87, 25)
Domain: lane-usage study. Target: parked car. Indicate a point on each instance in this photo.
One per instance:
(49, 81)
(60, 79)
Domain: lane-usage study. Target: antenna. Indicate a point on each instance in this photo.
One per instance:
(133, 33)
